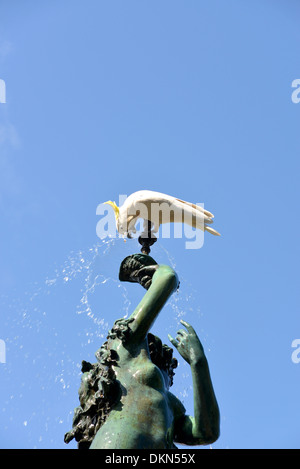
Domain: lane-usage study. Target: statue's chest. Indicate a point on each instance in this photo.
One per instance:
(141, 372)
(149, 375)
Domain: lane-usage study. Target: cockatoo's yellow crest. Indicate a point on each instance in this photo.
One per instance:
(115, 207)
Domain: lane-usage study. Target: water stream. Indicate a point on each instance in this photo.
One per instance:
(61, 321)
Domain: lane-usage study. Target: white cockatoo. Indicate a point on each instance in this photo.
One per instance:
(159, 208)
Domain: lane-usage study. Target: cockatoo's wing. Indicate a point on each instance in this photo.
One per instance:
(197, 207)
(195, 216)
(147, 197)
(207, 220)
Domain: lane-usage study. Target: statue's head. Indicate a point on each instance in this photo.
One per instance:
(123, 219)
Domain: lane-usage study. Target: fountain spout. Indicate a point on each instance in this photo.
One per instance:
(147, 238)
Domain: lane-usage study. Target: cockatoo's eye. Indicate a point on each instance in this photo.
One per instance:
(122, 230)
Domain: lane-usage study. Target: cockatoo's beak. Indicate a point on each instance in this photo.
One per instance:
(115, 207)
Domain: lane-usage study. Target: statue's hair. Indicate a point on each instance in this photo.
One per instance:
(100, 391)
(162, 356)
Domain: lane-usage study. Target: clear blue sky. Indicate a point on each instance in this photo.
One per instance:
(188, 98)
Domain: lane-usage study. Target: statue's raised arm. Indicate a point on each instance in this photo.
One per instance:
(160, 281)
(125, 399)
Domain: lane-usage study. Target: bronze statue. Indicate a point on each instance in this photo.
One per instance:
(125, 402)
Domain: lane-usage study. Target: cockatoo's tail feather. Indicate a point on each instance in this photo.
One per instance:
(211, 230)
(115, 207)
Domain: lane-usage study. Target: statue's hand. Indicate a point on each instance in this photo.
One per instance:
(188, 345)
(138, 268)
(145, 275)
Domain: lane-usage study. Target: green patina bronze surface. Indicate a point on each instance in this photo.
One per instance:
(125, 402)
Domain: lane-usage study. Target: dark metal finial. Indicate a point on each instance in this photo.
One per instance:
(147, 239)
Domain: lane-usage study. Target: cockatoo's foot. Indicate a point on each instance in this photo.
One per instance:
(138, 268)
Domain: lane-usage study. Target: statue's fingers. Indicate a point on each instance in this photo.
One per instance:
(182, 333)
(173, 341)
(148, 269)
(190, 329)
(182, 340)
